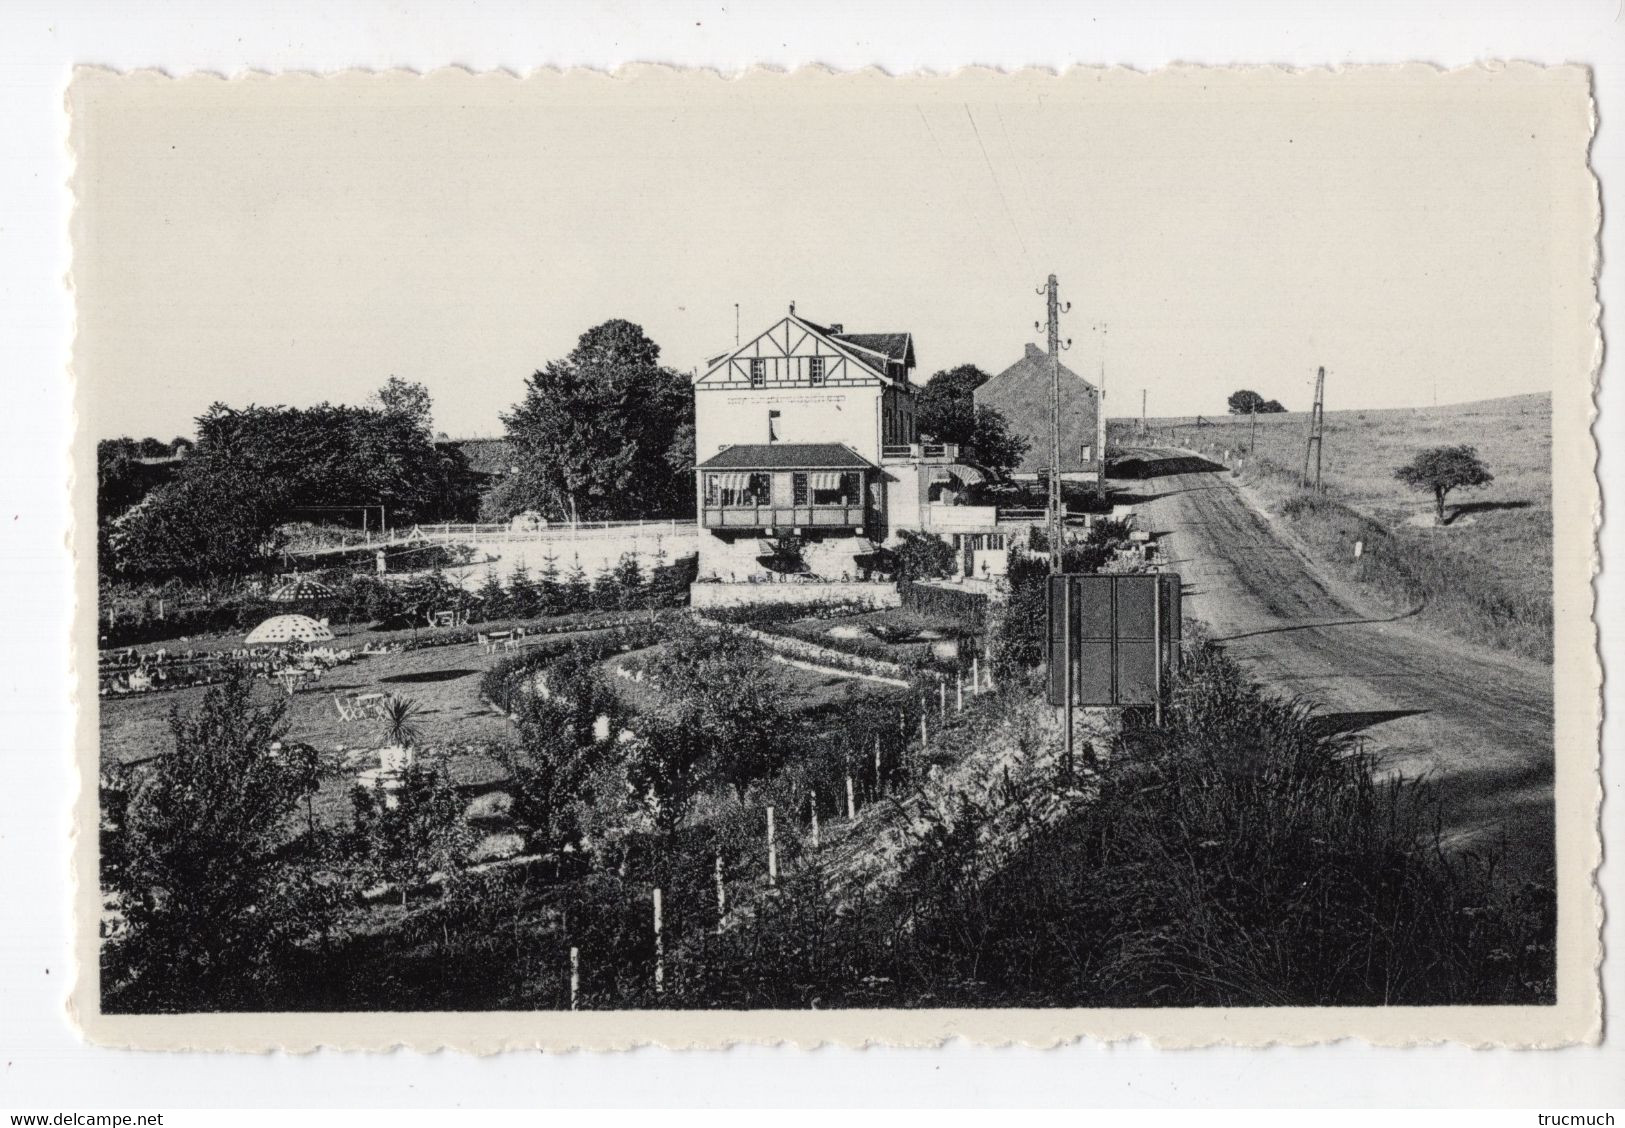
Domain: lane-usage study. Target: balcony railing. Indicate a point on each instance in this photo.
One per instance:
(920, 452)
(782, 516)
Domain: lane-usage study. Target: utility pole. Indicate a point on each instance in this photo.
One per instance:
(1100, 418)
(1057, 511)
(736, 325)
(1317, 429)
(1142, 411)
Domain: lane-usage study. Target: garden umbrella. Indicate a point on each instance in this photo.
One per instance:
(288, 628)
(299, 589)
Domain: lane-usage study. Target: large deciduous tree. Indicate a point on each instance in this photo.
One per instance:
(254, 468)
(1442, 469)
(946, 409)
(993, 444)
(408, 399)
(604, 432)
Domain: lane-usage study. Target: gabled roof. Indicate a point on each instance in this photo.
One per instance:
(787, 456)
(1036, 360)
(1025, 394)
(897, 347)
(863, 348)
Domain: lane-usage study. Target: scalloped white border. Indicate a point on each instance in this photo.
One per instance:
(1577, 513)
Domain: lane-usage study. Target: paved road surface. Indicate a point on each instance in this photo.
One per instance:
(1478, 722)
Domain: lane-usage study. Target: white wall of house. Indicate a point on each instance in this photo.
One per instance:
(729, 416)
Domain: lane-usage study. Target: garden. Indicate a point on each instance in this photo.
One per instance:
(774, 807)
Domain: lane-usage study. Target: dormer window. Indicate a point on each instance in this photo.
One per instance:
(758, 372)
(815, 370)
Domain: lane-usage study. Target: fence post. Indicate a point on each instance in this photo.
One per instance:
(877, 763)
(575, 976)
(812, 802)
(851, 804)
(660, 948)
(772, 852)
(722, 894)
(959, 692)
(942, 698)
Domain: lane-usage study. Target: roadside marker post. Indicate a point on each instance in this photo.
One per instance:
(942, 699)
(851, 805)
(722, 894)
(660, 948)
(772, 852)
(812, 803)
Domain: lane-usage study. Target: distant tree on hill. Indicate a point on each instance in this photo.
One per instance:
(601, 433)
(1245, 402)
(1272, 407)
(946, 409)
(1442, 469)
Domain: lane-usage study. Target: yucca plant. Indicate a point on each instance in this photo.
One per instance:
(398, 723)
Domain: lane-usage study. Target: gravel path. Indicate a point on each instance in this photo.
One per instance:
(1478, 722)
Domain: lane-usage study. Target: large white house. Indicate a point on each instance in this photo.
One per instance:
(807, 430)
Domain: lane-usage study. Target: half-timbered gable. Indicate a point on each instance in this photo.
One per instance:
(799, 354)
(801, 382)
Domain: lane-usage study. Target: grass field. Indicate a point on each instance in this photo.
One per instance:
(1486, 574)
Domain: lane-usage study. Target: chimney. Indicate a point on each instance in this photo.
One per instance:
(1033, 351)
(837, 328)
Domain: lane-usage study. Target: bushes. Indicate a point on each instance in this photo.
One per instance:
(923, 556)
(1238, 856)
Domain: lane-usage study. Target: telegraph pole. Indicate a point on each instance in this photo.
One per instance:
(1142, 411)
(1317, 430)
(1100, 418)
(1057, 511)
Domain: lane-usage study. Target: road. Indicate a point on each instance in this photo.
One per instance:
(1477, 722)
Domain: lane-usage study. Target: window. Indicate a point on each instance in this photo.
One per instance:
(737, 488)
(798, 488)
(833, 487)
(815, 370)
(758, 372)
(772, 426)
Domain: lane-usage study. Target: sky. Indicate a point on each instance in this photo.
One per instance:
(1423, 237)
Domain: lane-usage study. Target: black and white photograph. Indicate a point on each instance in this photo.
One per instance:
(569, 556)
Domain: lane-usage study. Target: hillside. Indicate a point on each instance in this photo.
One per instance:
(1506, 527)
